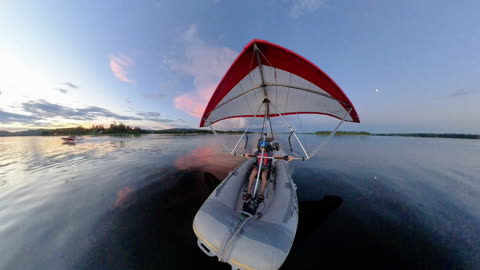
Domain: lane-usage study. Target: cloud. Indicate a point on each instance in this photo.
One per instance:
(206, 64)
(119, 65)
(66, 87)
(7, 117)
(300, 7)
(191, 34)
(149, 114)
(61, 90)
(45, 109)
(194, 103)
(463, 92)
(154, 116)
(71, 85)
(45, 114)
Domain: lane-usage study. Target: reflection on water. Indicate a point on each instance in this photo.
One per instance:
(128, 203)
(208, 157)
(122, 196)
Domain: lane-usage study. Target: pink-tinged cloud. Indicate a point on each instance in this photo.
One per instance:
(194, 102)
(119, 65)
(206, 64)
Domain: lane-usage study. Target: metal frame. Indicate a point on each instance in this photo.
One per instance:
(307, 156)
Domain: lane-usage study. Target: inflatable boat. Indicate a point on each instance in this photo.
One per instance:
(245, 241)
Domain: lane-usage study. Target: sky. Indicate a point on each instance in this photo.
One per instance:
(407, 66)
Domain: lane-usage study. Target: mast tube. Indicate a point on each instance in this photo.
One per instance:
(249, 126)
(264, 138)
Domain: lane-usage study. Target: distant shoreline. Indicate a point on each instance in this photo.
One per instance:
(191, 131)
(420, 135)
(114, 130)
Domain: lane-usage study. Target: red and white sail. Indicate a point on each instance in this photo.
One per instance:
(291, 83)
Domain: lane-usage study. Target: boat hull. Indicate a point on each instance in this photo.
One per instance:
(71, 139)
(262, 241)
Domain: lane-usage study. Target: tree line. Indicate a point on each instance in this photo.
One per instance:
(113, 129)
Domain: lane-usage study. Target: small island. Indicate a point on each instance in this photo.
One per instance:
(113, 129)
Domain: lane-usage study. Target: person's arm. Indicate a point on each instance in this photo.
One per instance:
(247, 155)
(287, 158)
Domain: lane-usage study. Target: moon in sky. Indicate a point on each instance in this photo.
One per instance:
(376, 90)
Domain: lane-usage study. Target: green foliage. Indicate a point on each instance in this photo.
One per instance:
(193, 131)
(114, 129)
(121, 129)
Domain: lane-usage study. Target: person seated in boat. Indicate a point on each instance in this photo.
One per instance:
(263, 146)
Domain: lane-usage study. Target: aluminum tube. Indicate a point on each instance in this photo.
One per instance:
(218, 137)
(315, 151)
(293, 131)
(251, 123)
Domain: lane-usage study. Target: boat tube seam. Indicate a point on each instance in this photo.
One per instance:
(241, 264)
(204, 240)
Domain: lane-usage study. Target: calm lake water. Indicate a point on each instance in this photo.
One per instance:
(129, 203)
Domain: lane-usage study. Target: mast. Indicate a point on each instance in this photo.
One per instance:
(260, 67)
(266, 115)
(265, 100)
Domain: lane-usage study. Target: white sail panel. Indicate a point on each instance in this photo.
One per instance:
(242, 101)
(265, 73)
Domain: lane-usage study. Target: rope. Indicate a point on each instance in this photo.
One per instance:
(239, 227)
